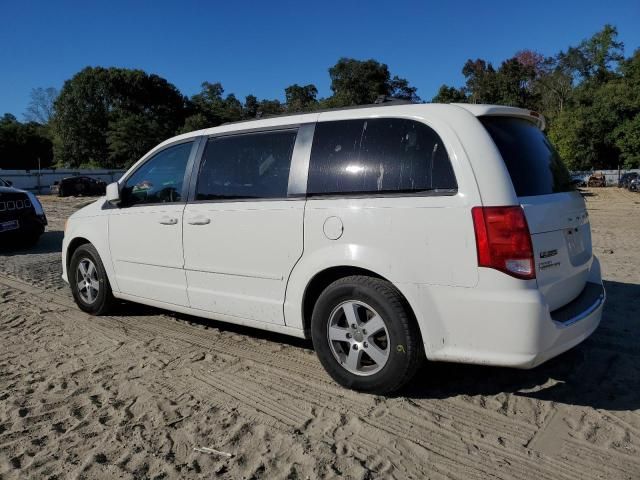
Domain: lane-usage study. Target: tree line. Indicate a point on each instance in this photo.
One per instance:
(109, 117)
(589, 95)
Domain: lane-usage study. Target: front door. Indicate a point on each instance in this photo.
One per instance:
(242, 234)
(145, 232)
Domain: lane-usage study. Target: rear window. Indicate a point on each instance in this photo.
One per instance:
(380, 155)
(533, 164)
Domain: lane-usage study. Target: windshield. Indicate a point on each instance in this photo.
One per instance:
(533, 164)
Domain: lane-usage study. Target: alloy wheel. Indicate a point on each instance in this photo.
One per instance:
(358, 338)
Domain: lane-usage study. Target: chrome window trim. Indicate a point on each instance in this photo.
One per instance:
(196, 141)
(297, 158)
(440, 192)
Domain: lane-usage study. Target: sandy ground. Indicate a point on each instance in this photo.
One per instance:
(131, 395)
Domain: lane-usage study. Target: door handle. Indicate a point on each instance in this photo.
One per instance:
(165, 220)
(199, 220)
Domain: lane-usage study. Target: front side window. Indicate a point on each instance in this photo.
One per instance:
(254, 165)
(381, 155)
(160, 179)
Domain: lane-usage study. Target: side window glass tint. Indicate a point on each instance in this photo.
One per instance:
(378, 156)
(160, 179)
(254, 165)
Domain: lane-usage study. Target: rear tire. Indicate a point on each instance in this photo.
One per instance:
(384, 350)
(88, 280)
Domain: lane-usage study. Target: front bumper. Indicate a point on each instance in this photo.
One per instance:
(29, 224)
(512, 328)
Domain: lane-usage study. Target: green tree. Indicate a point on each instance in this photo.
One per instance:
(301, 98)
(213, 107)
(23, 144)
(596, 57)
(95, 117)
(195, 121)
(513, 83)
(270, 107)
(447, 94)
(553, 87)
(627, 134)
(250, 107)
(510, 85)
(598, 128)
(627, 140)
(400, 88)
(357, 82)
(481, 84)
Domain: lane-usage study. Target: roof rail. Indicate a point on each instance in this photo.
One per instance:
(380, 101)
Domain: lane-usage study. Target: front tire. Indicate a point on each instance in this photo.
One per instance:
(365, 336)
(89, 283)
(32, 239)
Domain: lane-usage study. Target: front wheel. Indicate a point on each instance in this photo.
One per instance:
(89, 283)
(364, 335)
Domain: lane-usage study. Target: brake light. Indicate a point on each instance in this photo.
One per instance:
(503, 240)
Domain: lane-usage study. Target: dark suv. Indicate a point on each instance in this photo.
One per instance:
(22, 218)
(626, 179)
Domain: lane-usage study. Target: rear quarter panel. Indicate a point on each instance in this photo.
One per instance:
(412, 241)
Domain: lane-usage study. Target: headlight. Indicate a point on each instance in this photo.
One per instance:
(36, 203)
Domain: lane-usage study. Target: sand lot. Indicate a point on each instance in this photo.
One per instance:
(132, 394)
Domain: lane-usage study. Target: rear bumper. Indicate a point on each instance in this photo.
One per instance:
(574, 322)
(511, 327)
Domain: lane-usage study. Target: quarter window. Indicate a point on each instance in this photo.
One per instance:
(382, 155)
(254, 165)
(160, 179)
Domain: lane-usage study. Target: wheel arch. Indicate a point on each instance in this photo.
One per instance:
(91, 230)
(74, 244)
(321, 280)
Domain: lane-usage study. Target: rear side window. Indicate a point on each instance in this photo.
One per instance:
(252, 165)
(382, 155)
(533, 164)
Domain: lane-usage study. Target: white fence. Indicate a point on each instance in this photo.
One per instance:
(40, 181)
(612, 176)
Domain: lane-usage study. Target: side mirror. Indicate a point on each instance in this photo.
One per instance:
(113, 193)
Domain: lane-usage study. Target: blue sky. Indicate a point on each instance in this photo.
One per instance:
(262, 47)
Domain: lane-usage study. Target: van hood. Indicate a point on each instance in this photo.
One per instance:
(11, 190)
(90, 209)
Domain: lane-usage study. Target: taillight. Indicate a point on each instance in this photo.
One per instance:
(503, 240)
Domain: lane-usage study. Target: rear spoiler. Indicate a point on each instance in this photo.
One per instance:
(480, 110)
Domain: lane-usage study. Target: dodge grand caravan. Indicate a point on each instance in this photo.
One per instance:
(385, 234)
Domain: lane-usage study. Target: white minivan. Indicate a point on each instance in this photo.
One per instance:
(386, 234)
